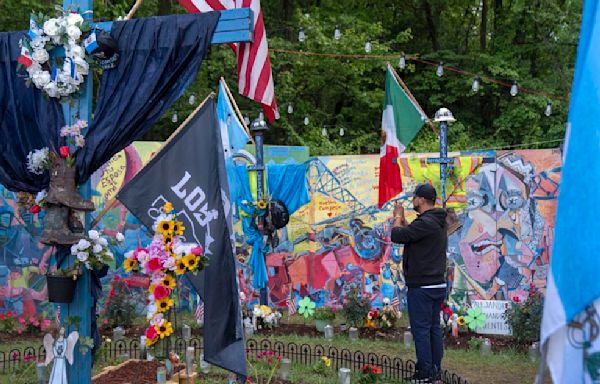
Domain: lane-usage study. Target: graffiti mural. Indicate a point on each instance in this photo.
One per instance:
(505, 201)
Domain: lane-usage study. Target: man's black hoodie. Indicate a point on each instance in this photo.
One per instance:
(425, 241)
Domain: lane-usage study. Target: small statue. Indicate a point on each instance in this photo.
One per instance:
(60, 350)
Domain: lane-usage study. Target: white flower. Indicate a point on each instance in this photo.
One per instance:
(34, 68)
(79, 141)
(97, 248)
(74, 32)
(103, 242)
(93, 234)
(51, 27)
(88, 265)
(169, 264)
(83, 244)
(386, 301)
(41, 79)
(82, 67)
(37, 160)
(39, 42)
(158, 319)
(74, 249)
(151, 310)
(82, 256)
(257, 312)
(74, 18)
(77, 52)
(120, 237)
(51, 89)
(41, 195)
(40, 55)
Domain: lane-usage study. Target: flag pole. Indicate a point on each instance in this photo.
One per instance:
(411, 97)
(237, 110)
(113, 202)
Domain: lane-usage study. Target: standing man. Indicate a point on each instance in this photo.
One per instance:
(424, 266)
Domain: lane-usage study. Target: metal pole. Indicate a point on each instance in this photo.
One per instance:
(259, 127)
(443, 155)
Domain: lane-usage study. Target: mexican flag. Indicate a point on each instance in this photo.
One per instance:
(401, 120)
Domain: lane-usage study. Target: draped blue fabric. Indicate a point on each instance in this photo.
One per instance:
(289, 183)
(159, 58)
(26, 119)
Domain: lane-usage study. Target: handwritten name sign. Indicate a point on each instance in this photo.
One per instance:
(495, 323)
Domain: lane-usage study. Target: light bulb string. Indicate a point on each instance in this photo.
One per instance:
(420, 61)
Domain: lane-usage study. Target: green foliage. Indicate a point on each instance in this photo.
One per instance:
(525, 319)
(475, 343)
(532, 42)
(356, 308)
(8, 322)
(120, 305)
(324, 313)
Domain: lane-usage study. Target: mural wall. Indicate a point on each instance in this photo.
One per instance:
(505, 200)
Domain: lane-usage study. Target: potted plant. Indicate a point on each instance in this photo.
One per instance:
(324, 316)
(61, 284)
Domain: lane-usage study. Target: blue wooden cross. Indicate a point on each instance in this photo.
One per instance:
(443, 160)
(234, 26)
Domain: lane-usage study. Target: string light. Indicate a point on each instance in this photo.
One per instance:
(290, 109)
(301, 35)
(306, 120)
(324, 131)
(337, 34)
(174, 117)
(368, 46)
(246, 120)
(402, 62)
(440, 69)
(342, 131)
(475, 85)
(277, 115)
(192, 99)
(514, 89)
(548, 110)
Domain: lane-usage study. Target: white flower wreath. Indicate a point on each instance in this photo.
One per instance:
(57, 77)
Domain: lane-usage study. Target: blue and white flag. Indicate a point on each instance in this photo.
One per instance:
(571, 323)
(233, 134)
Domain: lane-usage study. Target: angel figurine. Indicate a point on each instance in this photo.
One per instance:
(60, 350)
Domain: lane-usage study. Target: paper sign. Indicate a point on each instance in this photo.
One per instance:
(494, 310)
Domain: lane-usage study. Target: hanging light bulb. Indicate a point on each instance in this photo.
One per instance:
(246, 120)
(548, 110)
(402, 62)
(324, 131)
(337, 34)
(261, 116)
(368, 46)
(301, 35)
(290, 109)
(342, 131)
(192, 99)
(174, 117)
(277, 115)
(306, 120)
(475, 85)
(440, 69)
(514, 90)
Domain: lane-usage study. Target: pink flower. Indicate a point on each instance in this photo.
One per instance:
(35, 209)
(258, 356)
(151, 333)
(64, 151)
(15, 355)
(27, 358)
(35, 323)
(516, 299)
(269, 360)
(2, 316)
(19, 331)
(105, 321)
(161, 292)
(22, 321)
(154, 265)
(197, 250)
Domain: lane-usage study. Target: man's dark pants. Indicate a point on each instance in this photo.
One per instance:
(424, 306)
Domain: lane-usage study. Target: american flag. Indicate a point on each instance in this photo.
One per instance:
(199, 312)
(255, 78)
(396, 302)
(292, 305)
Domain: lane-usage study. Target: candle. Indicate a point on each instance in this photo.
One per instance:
(408, 339)
(40, 370)
(353, 334)
(284, 368)
(189, 360)
(486, 347)
(187, 332)
(328, 332)
(344, 376)
(534, 351)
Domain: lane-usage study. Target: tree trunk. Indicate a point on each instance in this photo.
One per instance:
(483, 28)
(431, 26)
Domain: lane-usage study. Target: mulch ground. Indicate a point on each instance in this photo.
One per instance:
(132, 372)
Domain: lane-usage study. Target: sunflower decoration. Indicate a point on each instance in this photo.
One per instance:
(130, 265)
(180, 267)
(165, 227)
(169, 281)
(168, 242)
(262, 204)
(461, 321)
(164, 330)
(168, 207)
(164, 305)
(178, 228)
(191, 261)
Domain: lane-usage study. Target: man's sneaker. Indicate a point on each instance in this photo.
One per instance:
(417, 379)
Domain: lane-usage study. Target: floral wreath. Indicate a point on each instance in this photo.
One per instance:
(167, 257)
(57, 76)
